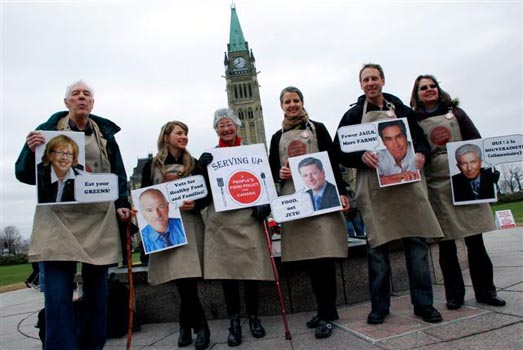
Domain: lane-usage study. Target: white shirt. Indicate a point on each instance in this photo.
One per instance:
(388, 164)
(61, 183)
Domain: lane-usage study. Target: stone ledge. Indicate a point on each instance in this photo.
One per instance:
(157, 304)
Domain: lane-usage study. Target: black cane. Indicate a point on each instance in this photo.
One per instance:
(277, 279)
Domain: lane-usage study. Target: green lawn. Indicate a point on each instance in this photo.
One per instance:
(13, 274)
(16, 274)
(515, 207)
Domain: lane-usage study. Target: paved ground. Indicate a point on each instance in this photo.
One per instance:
(475, 326)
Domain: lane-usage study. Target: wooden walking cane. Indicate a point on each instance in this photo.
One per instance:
(277, 278)
(131, 287)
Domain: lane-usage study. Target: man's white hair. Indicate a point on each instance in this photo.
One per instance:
(70, 88)
(468, 148)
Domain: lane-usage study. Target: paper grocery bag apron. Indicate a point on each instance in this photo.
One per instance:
(184, 261)
(76, 232)
(235, 246)
(455, 221)
(79, 232)
(393, 212)
(321, 236)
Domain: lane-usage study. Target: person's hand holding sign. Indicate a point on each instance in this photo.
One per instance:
(370, 159)
(285, 171)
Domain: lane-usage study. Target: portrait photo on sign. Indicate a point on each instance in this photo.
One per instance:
(159, 220)
(396, 156)
(312, 174)
(58, 162)
(472, 180)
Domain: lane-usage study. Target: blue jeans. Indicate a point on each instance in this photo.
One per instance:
(420, 283)
(66, 330)
(41, 276)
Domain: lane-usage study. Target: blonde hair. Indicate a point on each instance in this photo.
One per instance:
(163, 150)
(60, 141)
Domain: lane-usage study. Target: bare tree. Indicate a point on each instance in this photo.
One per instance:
(511, 179)
(12, 240)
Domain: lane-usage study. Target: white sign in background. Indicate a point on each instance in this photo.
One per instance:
(504, 219)
(240, 177)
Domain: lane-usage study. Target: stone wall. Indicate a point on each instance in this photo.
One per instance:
(157, 304)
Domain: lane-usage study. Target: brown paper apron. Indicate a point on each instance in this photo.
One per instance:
(455, 221)
(235, 246)
(78, 232)
(393, 212)
(184, 261)
(321, 236)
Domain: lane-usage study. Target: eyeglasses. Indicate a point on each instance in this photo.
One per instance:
(425, 87)
(60, 154)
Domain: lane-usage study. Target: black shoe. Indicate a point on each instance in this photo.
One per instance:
(376, 317)
(453, 304)
(27, 284)
(323, 330)
(235, 331)
(185, 337)
(428, 313)
(257, 329)
(203, 338)
(313, 322)
(492, 301)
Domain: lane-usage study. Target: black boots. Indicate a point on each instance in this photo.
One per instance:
(203, 338)
(257, 329)
(235, 331)
(185, 337)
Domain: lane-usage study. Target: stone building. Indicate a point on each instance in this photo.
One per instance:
(243, 90)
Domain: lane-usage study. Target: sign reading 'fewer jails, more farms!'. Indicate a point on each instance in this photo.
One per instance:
(240, 177)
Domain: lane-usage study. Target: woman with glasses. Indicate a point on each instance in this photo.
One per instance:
(443, 121)
(57, 171)
(183, 264)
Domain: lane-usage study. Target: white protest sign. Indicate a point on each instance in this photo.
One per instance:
(186, 189)
(360, 137)
(504, 219)
(468, 170)
(161, 225)
(95, 187)
(313, 176)
(62, 156)
(240, 177)
(292, 207)
(503, 149)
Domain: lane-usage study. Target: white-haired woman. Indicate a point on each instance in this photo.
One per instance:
(235, 247)
(183, 264)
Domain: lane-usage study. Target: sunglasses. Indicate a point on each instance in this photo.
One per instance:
(425, 87)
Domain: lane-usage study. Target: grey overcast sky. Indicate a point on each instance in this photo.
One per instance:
(154, 61)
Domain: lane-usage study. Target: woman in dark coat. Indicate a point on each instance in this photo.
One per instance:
(443, 121)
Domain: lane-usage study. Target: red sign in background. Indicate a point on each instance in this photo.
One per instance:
(244, 187)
